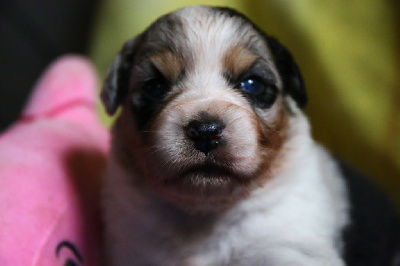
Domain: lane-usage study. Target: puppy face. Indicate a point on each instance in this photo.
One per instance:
(205, 98)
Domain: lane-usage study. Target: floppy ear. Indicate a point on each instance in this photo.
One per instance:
(116, 84)
(293, 83)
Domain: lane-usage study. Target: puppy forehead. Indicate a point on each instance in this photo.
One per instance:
(206, 39)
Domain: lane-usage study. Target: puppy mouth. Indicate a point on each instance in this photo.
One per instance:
(205, 182)
(208, 171)
(205, 173)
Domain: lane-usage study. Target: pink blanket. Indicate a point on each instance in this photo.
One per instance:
(51, 162)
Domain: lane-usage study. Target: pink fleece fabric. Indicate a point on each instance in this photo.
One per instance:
(51, 162)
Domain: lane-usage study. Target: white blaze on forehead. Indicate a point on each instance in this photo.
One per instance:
(209, 34)
(208, 37)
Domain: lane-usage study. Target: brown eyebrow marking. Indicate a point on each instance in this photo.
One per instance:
(238, 59)
(168, 64)
(240, 63)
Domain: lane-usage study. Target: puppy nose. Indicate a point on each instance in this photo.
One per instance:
(206, 136)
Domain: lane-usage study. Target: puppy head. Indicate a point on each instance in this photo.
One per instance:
(206, 100)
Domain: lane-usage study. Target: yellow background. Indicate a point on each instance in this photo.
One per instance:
(348, 52)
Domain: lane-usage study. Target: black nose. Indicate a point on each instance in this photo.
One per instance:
(206, 135)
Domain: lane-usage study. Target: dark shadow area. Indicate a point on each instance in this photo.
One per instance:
(86, 167)
(33, 33)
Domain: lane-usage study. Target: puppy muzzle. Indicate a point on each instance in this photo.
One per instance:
(206, 150)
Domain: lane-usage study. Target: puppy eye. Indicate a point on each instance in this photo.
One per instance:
(155, 88)
(262, 94)
(252, 86)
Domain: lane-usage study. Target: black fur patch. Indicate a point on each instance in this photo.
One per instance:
(373, 236)
(148, 103)
(292, 79)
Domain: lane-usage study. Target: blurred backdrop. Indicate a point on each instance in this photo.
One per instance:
(348, 52)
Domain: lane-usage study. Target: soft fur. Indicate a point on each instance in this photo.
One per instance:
(213, 161)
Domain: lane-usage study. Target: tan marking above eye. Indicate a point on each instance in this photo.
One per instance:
(168, 64)
(238, 59)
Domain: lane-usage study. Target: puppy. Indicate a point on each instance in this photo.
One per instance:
(212, 160)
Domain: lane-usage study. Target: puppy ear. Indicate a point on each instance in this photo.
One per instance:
(293, 83)
(116, 84)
